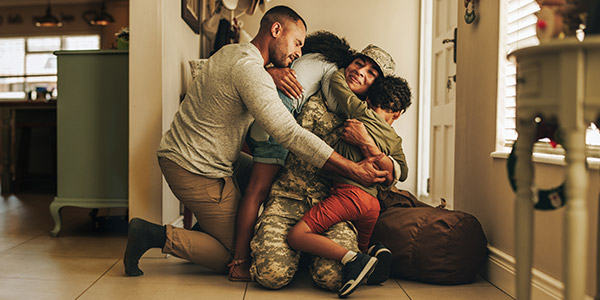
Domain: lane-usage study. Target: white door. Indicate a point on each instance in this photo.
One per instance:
(443, 105)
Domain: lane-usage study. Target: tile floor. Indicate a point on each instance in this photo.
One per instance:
(85, 262)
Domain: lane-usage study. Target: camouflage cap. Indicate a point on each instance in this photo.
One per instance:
(384, 60)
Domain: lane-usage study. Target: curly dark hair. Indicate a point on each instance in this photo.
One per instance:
(390, 92)
(334, 49)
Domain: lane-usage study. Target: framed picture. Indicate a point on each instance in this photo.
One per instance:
(190, 13)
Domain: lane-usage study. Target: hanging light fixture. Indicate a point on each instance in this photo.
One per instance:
(101, 18)
(49, 20)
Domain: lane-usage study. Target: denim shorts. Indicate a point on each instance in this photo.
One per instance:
(263, 146)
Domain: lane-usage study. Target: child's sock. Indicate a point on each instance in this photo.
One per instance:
(142, 235)
(348, 257)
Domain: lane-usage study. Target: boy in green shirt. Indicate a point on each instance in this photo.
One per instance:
(350, 201)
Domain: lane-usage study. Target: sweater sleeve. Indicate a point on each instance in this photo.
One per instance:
(348, 104)
(258, 92)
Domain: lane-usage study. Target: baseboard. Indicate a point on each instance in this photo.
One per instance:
(178, 222)
(500, 271)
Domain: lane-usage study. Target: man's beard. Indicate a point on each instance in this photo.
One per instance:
(280, 58)
(281, 62)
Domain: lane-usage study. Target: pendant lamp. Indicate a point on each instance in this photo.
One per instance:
(101, 18)
(49, 20)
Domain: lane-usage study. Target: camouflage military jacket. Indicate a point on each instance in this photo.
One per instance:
(299, 180)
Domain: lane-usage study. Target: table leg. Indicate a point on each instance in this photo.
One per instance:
(524, 208)
(597, 297)
(5, 180)
(576, 219)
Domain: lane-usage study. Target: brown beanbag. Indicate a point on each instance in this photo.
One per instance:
(430, 244)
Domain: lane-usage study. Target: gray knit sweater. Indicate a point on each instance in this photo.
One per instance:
(232, 90)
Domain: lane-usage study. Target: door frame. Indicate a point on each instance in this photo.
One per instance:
(424, 123)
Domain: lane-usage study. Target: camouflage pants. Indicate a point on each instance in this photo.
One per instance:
(275, 262)
(297, 188)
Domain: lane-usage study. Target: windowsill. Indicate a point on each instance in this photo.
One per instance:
(12, 99)
(551, 159)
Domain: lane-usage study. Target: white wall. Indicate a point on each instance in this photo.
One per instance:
(392, 25)
(180, 44)
(160, 46)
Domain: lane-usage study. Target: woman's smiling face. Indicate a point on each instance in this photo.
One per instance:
(360, 74)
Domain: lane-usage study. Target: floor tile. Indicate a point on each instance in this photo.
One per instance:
(302, 288)
(174, 270)
(480, 289)
(70, 246)
(117, 288)
(53, 267)
(169, 278)
(27, 289)
(23, 223)
(7, 243)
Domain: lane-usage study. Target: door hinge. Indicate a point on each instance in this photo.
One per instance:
(428, 189)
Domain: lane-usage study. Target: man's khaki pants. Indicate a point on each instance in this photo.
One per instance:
(214, 203)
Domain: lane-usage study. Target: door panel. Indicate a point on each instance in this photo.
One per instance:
(443, 105)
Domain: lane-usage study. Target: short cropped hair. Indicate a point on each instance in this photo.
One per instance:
(390, 92)
(279, 14)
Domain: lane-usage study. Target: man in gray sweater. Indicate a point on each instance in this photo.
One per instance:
(200, 154)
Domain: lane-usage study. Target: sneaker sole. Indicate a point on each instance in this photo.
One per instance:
(351, 285)
(381, 273)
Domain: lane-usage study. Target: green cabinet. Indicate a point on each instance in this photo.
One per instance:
(92, 130)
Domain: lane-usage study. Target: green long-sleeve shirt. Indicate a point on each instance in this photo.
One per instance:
(385, 137)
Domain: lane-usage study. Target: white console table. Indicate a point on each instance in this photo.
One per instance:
(561, 80)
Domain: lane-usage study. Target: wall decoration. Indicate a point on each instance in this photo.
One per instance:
(67, 18)
(190, 13)
(470, 15)
(15, 19)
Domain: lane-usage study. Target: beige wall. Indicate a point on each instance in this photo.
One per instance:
(392, 25)
(160, 46)
(481, 184)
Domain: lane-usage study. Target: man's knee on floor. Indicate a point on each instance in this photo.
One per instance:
(272, 275)
(327, 273)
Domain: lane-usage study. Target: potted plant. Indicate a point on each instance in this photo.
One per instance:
(123, 38)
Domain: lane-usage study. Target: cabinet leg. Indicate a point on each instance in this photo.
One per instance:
(55, 212)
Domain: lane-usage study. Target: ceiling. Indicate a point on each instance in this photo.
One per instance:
(5, 3)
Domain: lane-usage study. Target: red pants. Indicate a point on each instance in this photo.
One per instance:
(346, 203)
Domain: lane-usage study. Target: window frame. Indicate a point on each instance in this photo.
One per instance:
(27, 52)
(542, 148)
